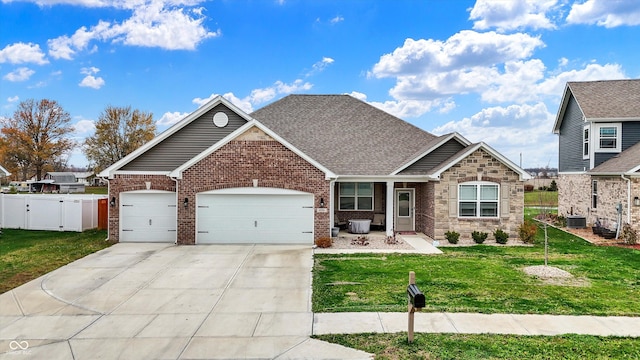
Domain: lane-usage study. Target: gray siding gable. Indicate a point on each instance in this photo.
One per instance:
(570, 140)
(630, 134)
(186, 143)
(434, 158)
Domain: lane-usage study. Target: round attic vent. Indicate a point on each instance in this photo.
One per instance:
(220, 119)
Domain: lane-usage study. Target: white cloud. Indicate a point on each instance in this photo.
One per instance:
(170, 118)
(512, 14)
(407, 108)
(90, 80)
(19, 74)
(84, 127)
(512, 130)
(605, 13)
(13, 99)
(320, 66)
(167, 24)
(20, 52)
(337, 19)
(260, 96)
(465, 49)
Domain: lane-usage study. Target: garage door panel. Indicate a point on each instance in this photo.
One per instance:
(148, 217)
(255, 218)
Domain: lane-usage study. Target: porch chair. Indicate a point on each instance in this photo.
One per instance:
(339, 223)
(378, 220)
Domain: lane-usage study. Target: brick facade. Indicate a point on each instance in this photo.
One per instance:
(122, 183)
(481, 166)
(237, 164)
(575, 193)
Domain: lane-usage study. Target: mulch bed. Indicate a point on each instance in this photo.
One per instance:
(588, 235)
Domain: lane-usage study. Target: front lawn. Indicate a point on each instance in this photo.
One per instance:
(26, 255)
(485, 279)
(463, 346)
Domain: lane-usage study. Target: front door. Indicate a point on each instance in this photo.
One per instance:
(404, 210)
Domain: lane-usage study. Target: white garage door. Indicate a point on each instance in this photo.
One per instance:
(148, 216)
(254, 215)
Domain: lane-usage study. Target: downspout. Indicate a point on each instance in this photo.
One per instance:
(628, 198)
(332, 183)
(108, 209)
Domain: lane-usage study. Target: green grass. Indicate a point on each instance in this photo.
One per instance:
(461, 346)
(541, 198)
(26, 255)
(98, 190)
(485, 279)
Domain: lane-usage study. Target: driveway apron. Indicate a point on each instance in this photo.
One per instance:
(159, 301)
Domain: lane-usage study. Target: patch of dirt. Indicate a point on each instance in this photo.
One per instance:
(374, 242)
(588, 235)
(554, 276)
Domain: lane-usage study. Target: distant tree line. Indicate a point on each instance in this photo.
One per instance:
(38, 138)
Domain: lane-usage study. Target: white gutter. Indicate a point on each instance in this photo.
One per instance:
(108, 207)
(628, 198)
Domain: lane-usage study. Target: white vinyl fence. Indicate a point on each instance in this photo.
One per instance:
(49, 212)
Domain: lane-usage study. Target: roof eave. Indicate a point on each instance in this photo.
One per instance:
(561, 110)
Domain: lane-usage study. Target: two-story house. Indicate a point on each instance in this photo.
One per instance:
(598, 124)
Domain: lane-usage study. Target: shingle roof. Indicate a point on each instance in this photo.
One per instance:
(348, 136)
(610, 99)
(624, 162)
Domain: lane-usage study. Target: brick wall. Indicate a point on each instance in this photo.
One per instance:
(479, 165)
(237, 164)
(122, 183)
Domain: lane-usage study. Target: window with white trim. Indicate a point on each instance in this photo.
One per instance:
(585, 142)
(478, 199)
(609, 137)
(355, 196)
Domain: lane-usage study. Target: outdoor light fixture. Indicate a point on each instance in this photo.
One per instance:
(322, 202)
(186, 203)
(113, 201)
(636, 201)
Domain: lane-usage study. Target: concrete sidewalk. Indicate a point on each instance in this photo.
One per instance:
(465, 323)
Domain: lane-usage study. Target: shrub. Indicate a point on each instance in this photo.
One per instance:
(324, 242)
(629, 235)
(452, 236)
(527, 232)
(553, 186)
(528, 188)
(479, 237)
(501, 236)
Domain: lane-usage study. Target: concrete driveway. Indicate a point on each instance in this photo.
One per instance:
(158, 301)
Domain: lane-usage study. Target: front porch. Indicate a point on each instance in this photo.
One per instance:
(390, 206)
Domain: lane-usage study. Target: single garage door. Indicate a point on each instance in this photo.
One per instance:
(254, 215)
(148, 216)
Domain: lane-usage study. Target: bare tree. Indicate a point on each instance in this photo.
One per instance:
(119, 131)
(36, 136)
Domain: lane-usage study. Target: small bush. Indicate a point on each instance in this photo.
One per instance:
(452, 236)
(527, 232)
(324, 242)
(528, 188)
(553, 186)
(479, 237)
(501, 236)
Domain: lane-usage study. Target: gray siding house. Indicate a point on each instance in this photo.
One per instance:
(598, 124)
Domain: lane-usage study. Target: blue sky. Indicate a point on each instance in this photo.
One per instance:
(494, 71)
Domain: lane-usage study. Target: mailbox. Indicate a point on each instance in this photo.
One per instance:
(416, 297)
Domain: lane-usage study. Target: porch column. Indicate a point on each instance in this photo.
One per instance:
(389, 211)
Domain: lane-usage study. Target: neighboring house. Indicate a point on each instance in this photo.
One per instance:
(598, 124)
(57, 182)
(4, 172)
(290, 171)
(85, 178)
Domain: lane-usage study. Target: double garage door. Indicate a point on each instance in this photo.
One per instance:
(230, 216)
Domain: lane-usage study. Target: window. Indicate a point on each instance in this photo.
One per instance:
(608, 137)
(594, 194)
(356, 196)
(478, 200)
(585, 142)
